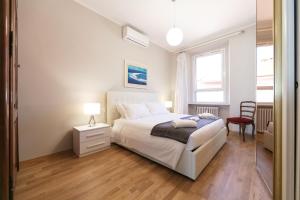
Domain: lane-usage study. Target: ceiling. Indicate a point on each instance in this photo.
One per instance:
(198, 19)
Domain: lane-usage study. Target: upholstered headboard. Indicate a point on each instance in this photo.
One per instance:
(114, 97)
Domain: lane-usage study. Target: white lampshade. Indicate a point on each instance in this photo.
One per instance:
(92, 108)
(168, 104)
(174, 36)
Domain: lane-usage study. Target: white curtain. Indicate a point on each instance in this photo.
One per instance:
(181, 86)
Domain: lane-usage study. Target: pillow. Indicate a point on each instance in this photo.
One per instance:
(135, 111)
(184, 123)
(207, 116)
(121, 110)
(157, 108)
(270, 127)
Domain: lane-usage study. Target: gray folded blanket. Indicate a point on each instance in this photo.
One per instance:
(167, 130)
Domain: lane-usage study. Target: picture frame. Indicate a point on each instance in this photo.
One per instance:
(136, 75)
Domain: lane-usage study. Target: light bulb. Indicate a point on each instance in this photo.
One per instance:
(174, 36)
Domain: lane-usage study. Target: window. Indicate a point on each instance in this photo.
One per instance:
(265, 74)
(210, 74)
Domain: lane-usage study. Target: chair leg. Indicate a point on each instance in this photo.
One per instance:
(253, 129)
(227, 128)
(240, 127)
(243, 132)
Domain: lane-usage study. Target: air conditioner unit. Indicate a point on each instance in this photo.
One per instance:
(135, 36)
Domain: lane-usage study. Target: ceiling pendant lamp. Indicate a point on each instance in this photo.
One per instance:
(174, 36)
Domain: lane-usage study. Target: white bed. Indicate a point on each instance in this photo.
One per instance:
(188, 159)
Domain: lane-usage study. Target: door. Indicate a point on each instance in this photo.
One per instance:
(8, 98)
(297, 192)
(13, 91)
(4, 101)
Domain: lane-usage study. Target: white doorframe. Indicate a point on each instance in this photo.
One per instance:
(297, 188)
(288, 100)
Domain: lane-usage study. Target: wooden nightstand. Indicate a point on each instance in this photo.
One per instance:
(87, 140)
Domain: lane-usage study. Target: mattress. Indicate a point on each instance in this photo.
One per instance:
(136, 134)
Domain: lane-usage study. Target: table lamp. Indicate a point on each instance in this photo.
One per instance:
(168, 104)
(92, 109)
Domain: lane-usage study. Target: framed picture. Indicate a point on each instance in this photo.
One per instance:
(136, 75)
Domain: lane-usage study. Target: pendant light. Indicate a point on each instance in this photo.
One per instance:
(174, 36)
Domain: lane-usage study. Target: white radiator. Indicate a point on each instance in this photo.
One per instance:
(264, 115)
(208, 109)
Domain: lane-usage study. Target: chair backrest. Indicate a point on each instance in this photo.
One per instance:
(247, 109)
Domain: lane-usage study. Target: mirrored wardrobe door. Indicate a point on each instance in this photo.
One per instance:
(264, 91)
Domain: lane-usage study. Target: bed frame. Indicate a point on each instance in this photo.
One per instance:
(191, 163)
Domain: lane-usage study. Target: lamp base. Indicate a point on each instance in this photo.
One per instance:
(92, 121)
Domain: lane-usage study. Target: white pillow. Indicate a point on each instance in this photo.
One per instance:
(157, 108)
(121, 110)
(270, 127)
(207, 116)
(184, 123)
(135, 111)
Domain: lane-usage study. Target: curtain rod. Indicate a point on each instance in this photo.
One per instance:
(229, 35)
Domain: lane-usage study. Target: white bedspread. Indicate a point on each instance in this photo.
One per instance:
(136, 134)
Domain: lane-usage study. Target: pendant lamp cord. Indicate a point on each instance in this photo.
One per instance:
(174, 13)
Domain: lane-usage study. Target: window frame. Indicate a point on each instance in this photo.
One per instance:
(264, 88)
(225, 76)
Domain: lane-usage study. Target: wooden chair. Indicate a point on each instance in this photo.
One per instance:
(247, 113)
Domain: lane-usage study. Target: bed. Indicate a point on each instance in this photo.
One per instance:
(188, 159)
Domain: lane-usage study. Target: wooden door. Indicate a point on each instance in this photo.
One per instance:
(8, 98)
(4, 99)
(13, 104)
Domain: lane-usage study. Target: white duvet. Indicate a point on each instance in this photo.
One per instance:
(136, 134)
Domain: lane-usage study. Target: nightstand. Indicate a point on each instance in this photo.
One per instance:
(90, 139)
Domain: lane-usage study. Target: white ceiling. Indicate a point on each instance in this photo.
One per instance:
(197, 18)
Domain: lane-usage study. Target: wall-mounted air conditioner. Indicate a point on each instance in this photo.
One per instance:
(135, 36)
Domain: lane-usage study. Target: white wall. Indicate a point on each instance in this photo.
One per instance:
(242, 67)
(70, 55)
(242, 70)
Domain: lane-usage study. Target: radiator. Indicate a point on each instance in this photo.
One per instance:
(208, 109)
(264, 115)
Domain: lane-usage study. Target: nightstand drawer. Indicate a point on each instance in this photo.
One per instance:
(90, 139)
(92, 135)
(94, 145)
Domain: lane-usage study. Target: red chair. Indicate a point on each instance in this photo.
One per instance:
(247, 113)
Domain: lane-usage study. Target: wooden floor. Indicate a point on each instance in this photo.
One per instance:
(120, 174)
(264, 159)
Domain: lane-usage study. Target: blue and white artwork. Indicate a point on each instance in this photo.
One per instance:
(136, 76)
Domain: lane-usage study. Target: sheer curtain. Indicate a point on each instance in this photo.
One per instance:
(181, 86)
